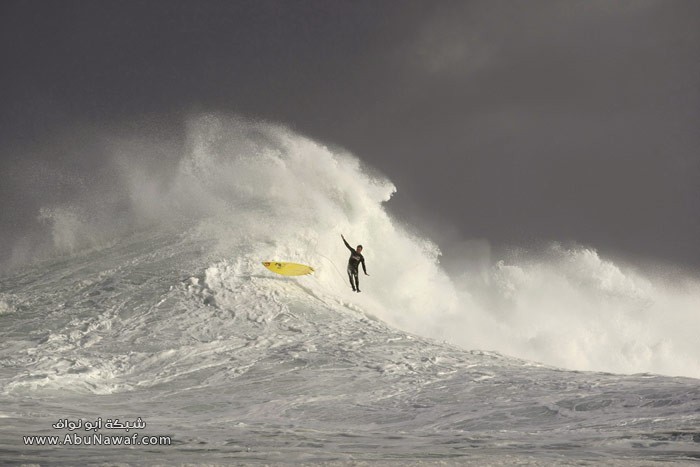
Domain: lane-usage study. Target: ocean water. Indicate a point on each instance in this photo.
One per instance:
(172, 324)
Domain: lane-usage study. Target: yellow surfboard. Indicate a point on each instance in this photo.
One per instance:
(288, 269)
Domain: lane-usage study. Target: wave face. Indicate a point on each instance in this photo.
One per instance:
(258, 191)
(180, 324)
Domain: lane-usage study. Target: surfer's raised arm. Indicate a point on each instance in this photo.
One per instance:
(347, 244)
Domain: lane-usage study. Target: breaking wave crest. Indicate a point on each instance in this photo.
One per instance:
(253, 191)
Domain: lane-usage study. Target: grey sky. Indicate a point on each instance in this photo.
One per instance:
(516, 122)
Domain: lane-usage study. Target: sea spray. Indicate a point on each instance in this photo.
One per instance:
(249, 191)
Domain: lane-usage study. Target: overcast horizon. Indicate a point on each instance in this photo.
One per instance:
(516, 123)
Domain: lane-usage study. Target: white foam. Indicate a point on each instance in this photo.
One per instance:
(6, 304)
(271, 194)
(259, 191)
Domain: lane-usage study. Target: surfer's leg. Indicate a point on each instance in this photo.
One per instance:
(357, 279)
(350, 276)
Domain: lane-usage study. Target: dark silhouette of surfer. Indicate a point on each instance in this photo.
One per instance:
(355, 259)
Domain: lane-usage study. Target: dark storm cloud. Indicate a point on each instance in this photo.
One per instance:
(558, 120)
(111, 58)
(510, 121)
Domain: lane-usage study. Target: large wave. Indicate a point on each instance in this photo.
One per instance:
(258, 191)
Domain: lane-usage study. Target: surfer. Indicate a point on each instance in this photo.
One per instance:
(355, 259)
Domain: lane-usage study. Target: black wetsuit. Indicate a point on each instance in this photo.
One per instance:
(354, 261)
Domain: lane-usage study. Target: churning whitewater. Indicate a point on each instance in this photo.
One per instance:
(153, 304)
